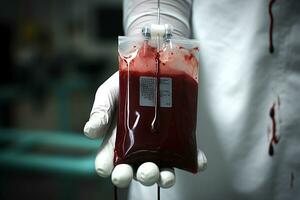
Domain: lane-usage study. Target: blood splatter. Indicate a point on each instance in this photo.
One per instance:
(271, 149)
(271, 47)
(274, 139)
(188, 58)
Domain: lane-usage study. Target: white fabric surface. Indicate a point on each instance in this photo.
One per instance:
(239, 82)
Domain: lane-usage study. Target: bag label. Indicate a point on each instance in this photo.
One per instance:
(147, 91)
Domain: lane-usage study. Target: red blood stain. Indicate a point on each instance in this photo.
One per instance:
(271, 47)
(188, 58)
(274, 139)
(271, 149)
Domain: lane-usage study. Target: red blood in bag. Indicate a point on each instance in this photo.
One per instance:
(174, 143)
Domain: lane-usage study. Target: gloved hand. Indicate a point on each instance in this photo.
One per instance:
(102, 122)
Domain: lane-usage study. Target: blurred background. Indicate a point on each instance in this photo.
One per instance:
(54, 55)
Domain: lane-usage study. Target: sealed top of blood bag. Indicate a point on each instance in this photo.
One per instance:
(172, 60)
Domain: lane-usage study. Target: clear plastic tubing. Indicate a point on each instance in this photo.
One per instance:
(155, 122)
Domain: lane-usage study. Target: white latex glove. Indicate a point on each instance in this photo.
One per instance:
(102, 122)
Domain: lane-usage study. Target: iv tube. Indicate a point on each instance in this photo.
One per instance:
(158, 11)
(155, 122)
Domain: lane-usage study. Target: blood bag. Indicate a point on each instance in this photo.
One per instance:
(157, 116)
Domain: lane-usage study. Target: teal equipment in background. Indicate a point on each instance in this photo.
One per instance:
(60, 152)
(50, 165)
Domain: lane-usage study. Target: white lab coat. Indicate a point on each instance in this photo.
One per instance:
(240, 80)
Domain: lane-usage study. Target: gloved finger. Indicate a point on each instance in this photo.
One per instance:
(103, 109)
(148, 173)
(104, 162)
(202, 161)
(167, 178)
(122, 175)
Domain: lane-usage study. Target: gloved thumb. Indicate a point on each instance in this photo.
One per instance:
(103, 109)
(104, 162)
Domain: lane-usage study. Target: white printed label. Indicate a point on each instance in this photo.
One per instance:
(147, 91)
(165, 88)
